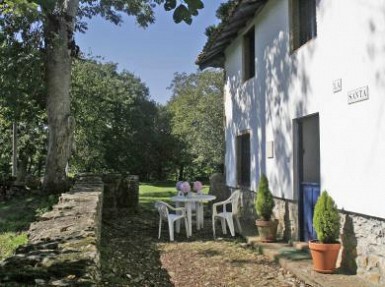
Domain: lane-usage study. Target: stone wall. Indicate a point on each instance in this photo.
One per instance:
(121, 193)
(248, 206)
(63, 248)
(286, 211)
(362, 239)
(363, 252)
(218, 187)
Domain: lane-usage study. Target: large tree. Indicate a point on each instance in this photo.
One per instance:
(58, 20)
(114, 118)
(197, 119)
(118, 127)
(22, 91)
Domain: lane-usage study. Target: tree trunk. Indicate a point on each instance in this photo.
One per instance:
(181, 172)
(14, 149)
(22, 169)
(58, 33)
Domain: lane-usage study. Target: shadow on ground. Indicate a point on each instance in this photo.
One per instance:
(130, 248)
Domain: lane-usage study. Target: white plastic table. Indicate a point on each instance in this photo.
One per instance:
(188, 202)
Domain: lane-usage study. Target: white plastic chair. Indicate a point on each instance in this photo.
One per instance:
(227, 216)
(180, 213)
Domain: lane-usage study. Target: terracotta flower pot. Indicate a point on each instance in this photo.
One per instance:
(267, 229)
(324, 256)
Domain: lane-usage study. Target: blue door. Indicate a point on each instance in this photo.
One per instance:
(308, 173)
(310, 193)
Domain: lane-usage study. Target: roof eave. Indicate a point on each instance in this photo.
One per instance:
(213, 54)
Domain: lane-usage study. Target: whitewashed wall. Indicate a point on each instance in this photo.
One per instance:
(350, 46)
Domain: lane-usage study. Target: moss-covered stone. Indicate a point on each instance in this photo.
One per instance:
(62, 248)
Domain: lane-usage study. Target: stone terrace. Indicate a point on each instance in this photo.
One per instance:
(63, 244)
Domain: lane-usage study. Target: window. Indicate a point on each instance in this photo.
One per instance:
(303, 22)
(243, 160)
(249, 55)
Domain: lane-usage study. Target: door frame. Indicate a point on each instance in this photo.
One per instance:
(298, 168)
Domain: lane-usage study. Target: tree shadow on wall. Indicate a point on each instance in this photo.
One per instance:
(349, 251)
(287, 223)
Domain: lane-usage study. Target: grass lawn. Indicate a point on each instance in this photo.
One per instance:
(151, 192)
(15, 218)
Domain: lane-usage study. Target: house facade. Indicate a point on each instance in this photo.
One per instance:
(305, 105)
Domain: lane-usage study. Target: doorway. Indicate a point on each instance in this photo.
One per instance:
(308, 173)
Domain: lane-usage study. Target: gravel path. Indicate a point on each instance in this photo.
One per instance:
(133, 256)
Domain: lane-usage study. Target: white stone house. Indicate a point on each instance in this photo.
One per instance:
(305, 105)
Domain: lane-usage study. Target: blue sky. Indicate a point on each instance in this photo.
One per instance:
(154, 54)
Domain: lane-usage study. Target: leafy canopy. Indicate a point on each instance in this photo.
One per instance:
(118, 127)
(197, 111)
(111, 10)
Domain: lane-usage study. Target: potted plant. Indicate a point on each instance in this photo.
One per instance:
(264, 204)
(326, 222)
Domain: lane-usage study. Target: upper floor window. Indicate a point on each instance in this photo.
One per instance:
(249, 55)
(303, 22)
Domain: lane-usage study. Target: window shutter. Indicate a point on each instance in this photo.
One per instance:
(249, 55)
(303, 22)
(243, 160)
(313, 19)
(294, 25)
(246, 160)
(251, 37)
(238, 160)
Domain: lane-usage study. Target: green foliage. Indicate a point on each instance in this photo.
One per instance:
(16, 215)
(9, 241)
(118, 127)
(22, 94)
(46, 204)
(142, 10)
(224, 10)
(129, 116)
(182, 13)
(264, 203)
(150, 192)
(197, 111)
(326, 220)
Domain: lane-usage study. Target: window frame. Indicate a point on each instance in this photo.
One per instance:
(248, 62)
(302, 23)
(243, 159)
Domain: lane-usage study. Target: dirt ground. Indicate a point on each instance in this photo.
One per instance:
(132, 255)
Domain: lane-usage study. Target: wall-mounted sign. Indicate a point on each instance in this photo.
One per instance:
(270, 149)
(337, 86)
(358, 95)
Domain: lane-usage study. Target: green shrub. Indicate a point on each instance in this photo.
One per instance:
(326, 220)
(264, 203)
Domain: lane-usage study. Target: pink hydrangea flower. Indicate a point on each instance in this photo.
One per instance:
(185, 187)
(197, 186)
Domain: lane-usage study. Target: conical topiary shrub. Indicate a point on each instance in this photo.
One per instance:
(326, 220)
(264, 203)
